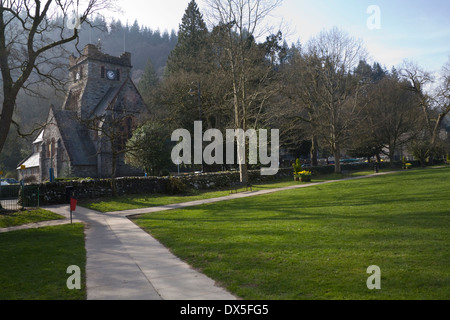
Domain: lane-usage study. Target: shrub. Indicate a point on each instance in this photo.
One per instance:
(297, 167)
(175, 186)
(30, 179)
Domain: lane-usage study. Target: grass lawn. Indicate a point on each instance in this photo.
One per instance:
(33, 263)
(27, 216)
(152, 200)
(317, 243)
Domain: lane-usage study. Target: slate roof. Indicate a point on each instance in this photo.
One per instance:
(108, 98)
(76, 138)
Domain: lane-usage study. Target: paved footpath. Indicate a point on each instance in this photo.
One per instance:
(126, 263)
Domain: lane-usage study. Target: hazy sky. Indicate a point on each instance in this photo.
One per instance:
(416, 30)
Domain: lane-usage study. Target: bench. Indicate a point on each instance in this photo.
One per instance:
(235, 186)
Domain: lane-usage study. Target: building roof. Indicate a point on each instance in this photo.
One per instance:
(32, 161)
(76, 138)
(115, 92)
(40, 138)
(108, 99)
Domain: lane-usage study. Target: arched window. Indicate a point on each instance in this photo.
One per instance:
(53, 148)
(126, 130)
(60, 153)
(48, 149)
(129, 127)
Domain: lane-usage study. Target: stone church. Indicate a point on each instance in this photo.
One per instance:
(101, 109)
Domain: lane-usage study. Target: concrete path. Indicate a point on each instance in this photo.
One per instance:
(126, 263)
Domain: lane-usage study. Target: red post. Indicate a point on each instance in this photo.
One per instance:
(73, 207)
(73, 204)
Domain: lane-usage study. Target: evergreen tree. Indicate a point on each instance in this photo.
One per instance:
(149, 78)
(148, 84)
(150, 148)
(378, 72)
(190, 52)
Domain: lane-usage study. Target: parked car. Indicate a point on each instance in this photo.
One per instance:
(306, 166)
(12, 181)
(4, 183)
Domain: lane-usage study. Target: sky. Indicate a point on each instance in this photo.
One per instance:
(414, 30)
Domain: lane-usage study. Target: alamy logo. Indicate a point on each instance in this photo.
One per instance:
(258, 143)
(374, 281)
(374, 21)
(74, 281)
(73, 20)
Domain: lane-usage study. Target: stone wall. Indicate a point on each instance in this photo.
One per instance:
(56, 193)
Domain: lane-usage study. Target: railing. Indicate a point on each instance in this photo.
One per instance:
(18, 197)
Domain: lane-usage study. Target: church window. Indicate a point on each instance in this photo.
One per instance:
(96, 129)
(129, 127)
(102, 72)
(48, 148)
(53, 148)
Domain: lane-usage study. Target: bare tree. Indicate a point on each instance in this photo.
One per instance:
(301, 87)
(239, 23)
(434, 102)
(391, 117)
(333, 90)
(27, 46)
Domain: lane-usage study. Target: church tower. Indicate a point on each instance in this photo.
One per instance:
(92, 76)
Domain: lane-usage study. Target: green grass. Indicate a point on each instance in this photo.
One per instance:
(34, 262)
(27, 216)
(129, 202)
(317, 243)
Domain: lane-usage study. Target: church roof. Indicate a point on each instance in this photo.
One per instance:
(32, 161)
(76, 139)
(40, 138)
(109, 98)
(114, 93)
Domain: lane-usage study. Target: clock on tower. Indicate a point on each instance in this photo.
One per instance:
(111, 75)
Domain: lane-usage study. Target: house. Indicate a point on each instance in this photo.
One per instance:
(77, 140)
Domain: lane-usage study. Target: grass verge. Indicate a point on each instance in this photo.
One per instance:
(34, 262)
(317, 243)
(129, 202)
(27, 216)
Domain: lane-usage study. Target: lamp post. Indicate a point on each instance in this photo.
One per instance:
(199, 94)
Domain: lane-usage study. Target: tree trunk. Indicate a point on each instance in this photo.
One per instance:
(113, 174)
(337, 159)
(391, 157)
(314, 161)
(5, 120)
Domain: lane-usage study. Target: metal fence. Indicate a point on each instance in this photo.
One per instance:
(18, 197)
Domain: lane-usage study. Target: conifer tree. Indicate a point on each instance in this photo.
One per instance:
(190, 52)
(148, 84)
(149, 78)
